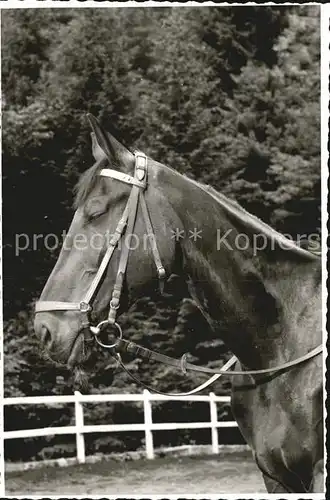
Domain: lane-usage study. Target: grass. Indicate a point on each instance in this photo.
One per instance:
(234, 473)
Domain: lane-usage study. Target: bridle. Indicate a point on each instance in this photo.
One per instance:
(126, 226)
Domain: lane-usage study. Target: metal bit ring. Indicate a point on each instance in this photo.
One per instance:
(96, 330)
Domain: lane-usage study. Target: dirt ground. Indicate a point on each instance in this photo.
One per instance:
(234, 473)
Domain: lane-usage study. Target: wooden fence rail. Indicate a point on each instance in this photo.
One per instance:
(80, 429)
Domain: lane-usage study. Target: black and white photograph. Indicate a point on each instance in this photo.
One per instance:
(164, 186)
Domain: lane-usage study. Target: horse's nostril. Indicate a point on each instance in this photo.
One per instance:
(45, 337)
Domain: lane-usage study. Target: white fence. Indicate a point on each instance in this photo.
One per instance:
(79, 429)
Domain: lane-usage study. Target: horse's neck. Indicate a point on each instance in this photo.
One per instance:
(244, 295)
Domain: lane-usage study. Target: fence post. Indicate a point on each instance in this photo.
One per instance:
(148, 423)
(214, 421)
(79, 419)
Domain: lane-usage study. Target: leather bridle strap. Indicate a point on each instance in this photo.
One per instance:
(83, 306)
(132, 348)
(52, 305)
(153, 244)
(108, 254)
(123, 345)
(128, 179)
(127, 222)
(202, 386)
(118, 286)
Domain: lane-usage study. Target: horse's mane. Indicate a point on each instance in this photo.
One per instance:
(87, 182)
(254, 222)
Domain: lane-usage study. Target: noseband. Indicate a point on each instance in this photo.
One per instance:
(125, 225)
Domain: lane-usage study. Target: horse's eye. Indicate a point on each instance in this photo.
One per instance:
(90, 217)
(94, 209)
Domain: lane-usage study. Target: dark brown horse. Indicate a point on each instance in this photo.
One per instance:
(237, 268)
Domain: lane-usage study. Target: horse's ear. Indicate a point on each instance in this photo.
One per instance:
(105, 145)
(98, 152)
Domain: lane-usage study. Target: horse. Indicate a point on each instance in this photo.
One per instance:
(154, 222)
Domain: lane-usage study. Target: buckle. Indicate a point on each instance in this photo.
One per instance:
(140, 160)
(84, 307)
(183, 363)
(113, 304)
(140, 165)
(161, 273)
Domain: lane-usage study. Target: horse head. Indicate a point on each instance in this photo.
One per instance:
(115, 250)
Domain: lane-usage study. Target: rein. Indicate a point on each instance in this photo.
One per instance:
(126, 225)
(122, 345)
